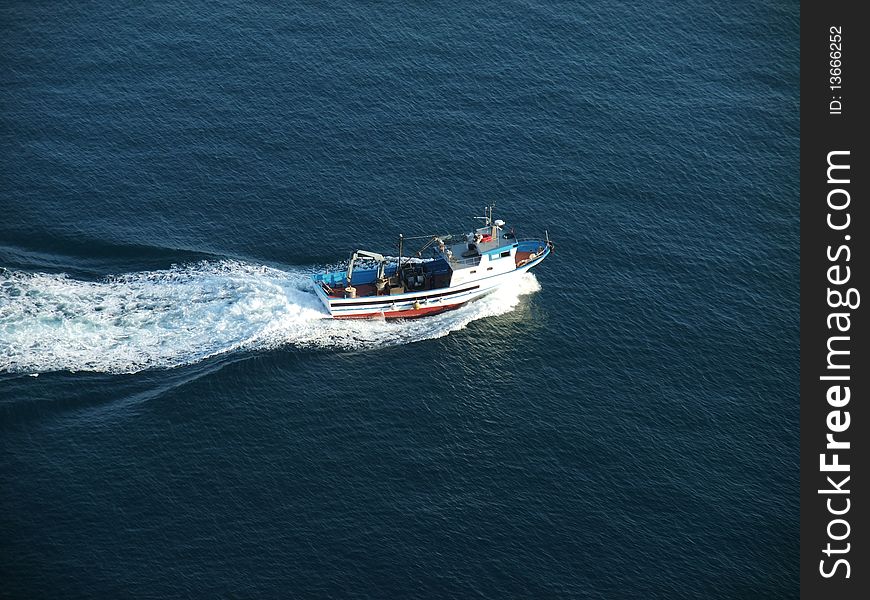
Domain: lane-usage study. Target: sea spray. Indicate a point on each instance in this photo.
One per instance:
(182, 315)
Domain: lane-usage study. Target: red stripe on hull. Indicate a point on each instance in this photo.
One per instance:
(423, 311)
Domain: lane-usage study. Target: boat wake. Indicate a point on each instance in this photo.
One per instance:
(180, 316)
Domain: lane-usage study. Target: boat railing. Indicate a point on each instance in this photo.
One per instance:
(474, 260)
(471, 261)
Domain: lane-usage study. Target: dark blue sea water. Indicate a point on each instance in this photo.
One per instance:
(623, 426)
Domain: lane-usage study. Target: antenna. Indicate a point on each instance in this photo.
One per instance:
(401, 242)
(487, 212)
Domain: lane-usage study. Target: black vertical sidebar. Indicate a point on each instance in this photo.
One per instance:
(835, 369)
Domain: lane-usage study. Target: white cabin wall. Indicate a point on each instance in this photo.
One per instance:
(486, 268)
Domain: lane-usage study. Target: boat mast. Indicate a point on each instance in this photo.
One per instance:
(401, 241)
(487, 215)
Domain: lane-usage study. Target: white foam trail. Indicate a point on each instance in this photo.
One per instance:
(164, 319)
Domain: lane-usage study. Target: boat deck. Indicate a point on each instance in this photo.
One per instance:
(435, 282)
(365, 290)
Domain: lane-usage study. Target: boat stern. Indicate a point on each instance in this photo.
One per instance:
(323, 283)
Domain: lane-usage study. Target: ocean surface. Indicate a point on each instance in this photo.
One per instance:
(177, 418)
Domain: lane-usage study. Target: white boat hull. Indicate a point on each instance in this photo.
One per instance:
(422, 303)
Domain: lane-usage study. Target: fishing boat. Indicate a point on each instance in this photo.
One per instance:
(445, 273)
